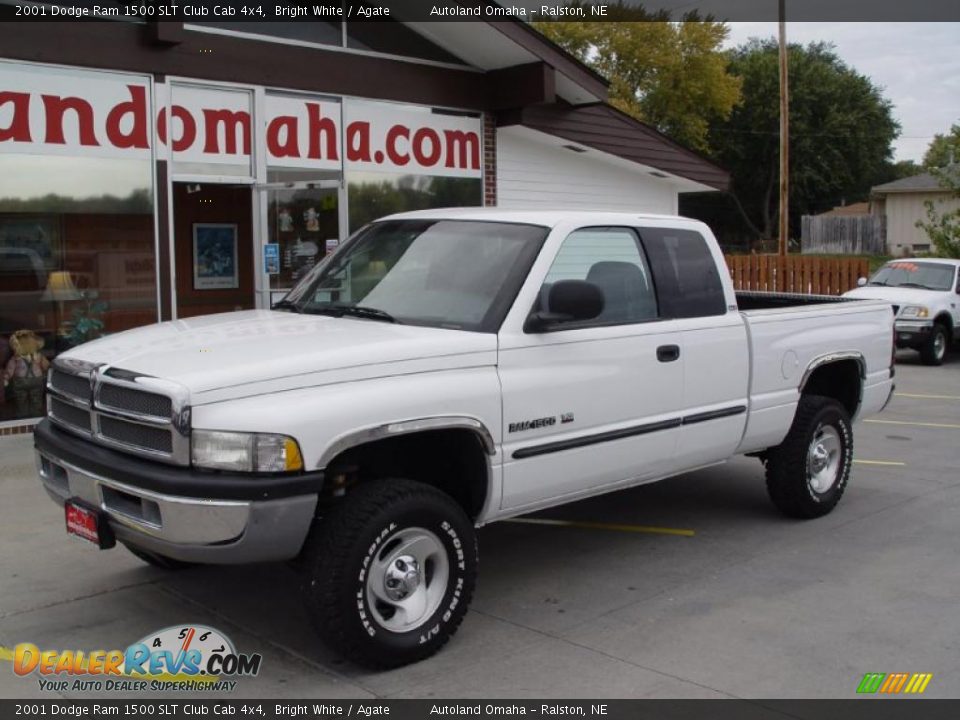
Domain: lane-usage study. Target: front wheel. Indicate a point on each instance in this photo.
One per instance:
(934, 349)
(808, 472)
(388, 573)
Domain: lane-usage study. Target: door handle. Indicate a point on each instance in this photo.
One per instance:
(668, 353)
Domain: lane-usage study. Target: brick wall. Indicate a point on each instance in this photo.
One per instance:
(489, 160)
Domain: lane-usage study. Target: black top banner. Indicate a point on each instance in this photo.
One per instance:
(253, 11)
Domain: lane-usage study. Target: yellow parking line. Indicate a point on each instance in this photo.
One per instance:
(927, 397)
(604, 526)
(916, 424)
(6, 654)
(879, 462)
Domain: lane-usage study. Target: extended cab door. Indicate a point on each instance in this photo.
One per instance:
(598, 402)
(699, 297)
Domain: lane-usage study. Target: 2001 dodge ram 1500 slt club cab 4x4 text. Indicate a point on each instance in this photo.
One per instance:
(442, 370)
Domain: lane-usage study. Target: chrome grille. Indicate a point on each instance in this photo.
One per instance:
(134, 413)
(136, 435)
(76, 386)
(136, 401)
(71, 415)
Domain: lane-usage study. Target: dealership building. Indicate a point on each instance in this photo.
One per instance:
(155, 171)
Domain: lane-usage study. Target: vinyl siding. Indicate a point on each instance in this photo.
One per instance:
(903, 211)
(536, 173)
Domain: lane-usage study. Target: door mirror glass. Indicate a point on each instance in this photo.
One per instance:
(861, 282)
(569, 301)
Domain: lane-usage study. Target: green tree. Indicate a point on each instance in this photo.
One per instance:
(841, 130)
(943, 219)
(944, 149)
(671, 75)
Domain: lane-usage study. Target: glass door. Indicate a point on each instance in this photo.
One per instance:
(302, 225)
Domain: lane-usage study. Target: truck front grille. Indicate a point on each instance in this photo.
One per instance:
(136, 401)
(129, 412)
(71, 415)
(76, 386)
(135, 435)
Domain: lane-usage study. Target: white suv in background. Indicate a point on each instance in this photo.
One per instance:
(926, 301)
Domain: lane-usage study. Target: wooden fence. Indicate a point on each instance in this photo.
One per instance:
(843, 235)
(796, 273)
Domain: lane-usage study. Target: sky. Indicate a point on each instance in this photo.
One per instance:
(917, 65)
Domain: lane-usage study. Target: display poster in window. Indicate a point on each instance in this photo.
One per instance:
(215, 256)
(271, 258)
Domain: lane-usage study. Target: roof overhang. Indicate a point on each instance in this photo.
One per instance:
(619, 137)
(498, 46)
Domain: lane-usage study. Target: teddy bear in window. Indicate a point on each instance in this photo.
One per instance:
(24, 373)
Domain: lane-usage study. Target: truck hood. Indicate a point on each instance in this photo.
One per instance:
(269, 351)
(896, 295)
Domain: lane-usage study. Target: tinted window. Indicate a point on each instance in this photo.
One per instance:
(610, 258)
(688, 284)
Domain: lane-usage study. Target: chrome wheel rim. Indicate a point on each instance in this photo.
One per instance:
(939, 345)
(824, 458)
(407, 579)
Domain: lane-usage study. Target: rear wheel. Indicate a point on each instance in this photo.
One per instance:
(388, 573)
(934, 350)
(808, 472)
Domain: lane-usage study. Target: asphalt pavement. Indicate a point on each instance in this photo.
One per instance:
(689, 588)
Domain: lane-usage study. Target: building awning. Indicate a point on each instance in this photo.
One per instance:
(603, 127)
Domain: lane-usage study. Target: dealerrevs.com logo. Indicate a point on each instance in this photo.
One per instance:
(177, 658)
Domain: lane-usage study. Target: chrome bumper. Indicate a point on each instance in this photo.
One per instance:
(186, 528)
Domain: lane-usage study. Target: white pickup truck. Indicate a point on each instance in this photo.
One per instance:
(443, 370)
(925, 294)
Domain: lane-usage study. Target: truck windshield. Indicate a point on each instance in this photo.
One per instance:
(442, 273)
(908, 273)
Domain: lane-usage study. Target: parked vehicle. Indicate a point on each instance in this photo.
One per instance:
(925, 294)
(443, 370)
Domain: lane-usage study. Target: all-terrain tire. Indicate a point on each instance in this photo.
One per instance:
(351, 552)
(934, 349)
(821, 438)
(159, 561)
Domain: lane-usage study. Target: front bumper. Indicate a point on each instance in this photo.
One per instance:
(912, 333)
(182, 513)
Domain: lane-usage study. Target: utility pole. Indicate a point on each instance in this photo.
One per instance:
(784, 134)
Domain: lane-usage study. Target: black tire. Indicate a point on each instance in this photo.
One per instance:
(791, 481)
(934, 349)
(159, 561)
(359, 536)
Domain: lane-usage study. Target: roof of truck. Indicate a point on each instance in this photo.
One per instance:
(546, 218)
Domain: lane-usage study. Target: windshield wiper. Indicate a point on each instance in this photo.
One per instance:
(877, 282)
(915, 285)
(286, 305)
(341, 309)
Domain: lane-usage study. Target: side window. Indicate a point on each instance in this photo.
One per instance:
(611, 259)
(688, 283)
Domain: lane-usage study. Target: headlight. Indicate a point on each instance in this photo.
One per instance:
(914, 311)
(245, 452)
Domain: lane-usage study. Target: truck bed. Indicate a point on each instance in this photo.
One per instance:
(755, 300)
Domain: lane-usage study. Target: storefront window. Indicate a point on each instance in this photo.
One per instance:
(374, 195)
(304, 224)
(77, 261)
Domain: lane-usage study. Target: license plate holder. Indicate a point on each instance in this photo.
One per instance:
(88, 523)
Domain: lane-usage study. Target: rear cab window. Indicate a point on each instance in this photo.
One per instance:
(685, 273)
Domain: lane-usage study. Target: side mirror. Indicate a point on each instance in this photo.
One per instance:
(569, 301)
(861, 282)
